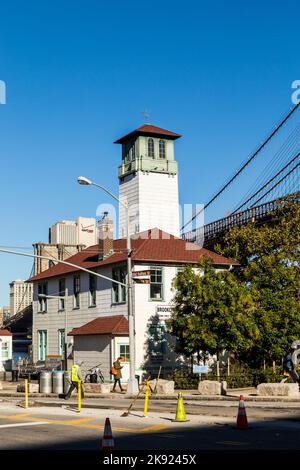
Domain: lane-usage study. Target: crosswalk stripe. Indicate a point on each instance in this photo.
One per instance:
(17, 425)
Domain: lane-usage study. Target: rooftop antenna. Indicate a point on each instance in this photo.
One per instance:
(146, 114)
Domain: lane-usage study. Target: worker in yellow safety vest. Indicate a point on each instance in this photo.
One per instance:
(75, 378)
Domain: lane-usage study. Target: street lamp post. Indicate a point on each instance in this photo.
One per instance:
(132, 386)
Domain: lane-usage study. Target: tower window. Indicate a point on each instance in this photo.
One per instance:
(150, 148)
(162, 149)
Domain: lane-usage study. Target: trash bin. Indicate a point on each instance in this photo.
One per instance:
(67, 381)
(58, 382)
(46, 382)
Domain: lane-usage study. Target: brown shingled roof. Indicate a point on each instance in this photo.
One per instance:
(5, 333)
(149, 130)
(116, 324)
(153, 246)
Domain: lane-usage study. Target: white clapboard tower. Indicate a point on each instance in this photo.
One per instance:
(148, 181)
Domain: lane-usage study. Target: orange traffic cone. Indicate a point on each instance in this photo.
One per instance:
(107, 440)
(241, 421)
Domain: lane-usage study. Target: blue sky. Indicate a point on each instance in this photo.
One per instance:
(78, 74)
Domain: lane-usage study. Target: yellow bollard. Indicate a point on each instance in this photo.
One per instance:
(146, 398)
(79, 396)
(26, 393)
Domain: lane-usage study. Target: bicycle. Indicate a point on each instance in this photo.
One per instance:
(94, 375)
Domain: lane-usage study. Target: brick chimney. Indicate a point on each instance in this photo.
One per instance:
(106, 236)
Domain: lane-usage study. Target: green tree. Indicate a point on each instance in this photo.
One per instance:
(213, 311)
(269, 259)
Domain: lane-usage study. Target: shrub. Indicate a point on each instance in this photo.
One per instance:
(240, 377)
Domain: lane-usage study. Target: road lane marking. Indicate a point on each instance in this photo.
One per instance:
(17, 425)
(233, 443)
(157, 427)
(83, 423)
(19, 415)
(78, 421)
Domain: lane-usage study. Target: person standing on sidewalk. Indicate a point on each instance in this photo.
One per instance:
(116, 370)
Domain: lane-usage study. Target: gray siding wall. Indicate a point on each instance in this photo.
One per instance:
(53, 320)
(93, 350)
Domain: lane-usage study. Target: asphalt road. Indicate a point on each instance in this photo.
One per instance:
(46, 428)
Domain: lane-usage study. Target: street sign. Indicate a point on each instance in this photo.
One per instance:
(53, 362)
(200, 369)
(141, 277)
(141, 280)
(140, 273)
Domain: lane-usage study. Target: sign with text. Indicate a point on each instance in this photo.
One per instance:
(140, 273)
(141, 277)
(53, 362)
(200, 369)
(164, 311)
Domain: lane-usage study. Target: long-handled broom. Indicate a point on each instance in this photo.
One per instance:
(126, 413)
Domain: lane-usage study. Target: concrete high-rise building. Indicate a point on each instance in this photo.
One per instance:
(148, 181)
(59, 252)
(20, 295)
(82, 231)
(4, 314)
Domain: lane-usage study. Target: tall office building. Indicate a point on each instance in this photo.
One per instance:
(21, 295)
(82, 231)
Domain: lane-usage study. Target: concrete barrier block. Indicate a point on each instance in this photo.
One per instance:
(212, 387)
(92, 388)
(164, 387)
(32, 388)
(104, 388)
(278, 390)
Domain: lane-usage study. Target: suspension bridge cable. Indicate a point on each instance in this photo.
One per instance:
(242, 168)
(276, 184)
(290, 146)
(267, 184)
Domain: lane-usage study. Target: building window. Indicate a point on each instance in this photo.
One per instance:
(61, 342)
(76, 292)
(162, 149)
(42, 345)
(5, 351)
(92, 291)
(124, 351)
(61, 293)
(157, 342)
(42, 301)
(119, 291)
(129, 151)
(150, 148)
(156, 284)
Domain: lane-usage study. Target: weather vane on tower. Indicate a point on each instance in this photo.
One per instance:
(146, 114)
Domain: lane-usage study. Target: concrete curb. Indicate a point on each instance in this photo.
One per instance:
(187, 397)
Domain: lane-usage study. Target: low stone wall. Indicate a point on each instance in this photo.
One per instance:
(278, 390)
(97, 388)
(32, 388)
(212, 387)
